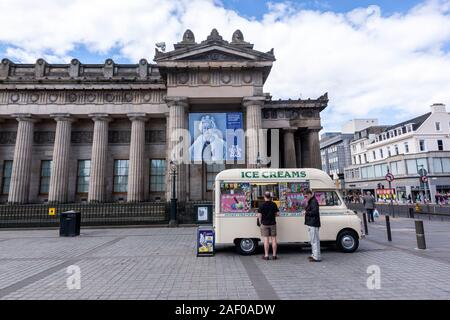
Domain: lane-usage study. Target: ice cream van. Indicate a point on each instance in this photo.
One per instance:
(239, 192)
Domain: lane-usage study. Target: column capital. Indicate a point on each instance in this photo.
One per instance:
(137, 116)
(177, 101)
(24, 117)
(100, 117)
(62, 117)
(314, 129)
(252, 101)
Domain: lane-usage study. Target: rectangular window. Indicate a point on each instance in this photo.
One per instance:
(211, 171)
(157, 175)
(446, 165)
(374, 155)
(411, 165)
(440, 145)
(422, 145)
(370, 172)
(6, 177)
(377, 169)
(438, 126)
(414, 165)
(422, 163)
(83, 174)
(389, 151)
(354, 159)
(121, 176)
(384, 169)
(46, 170)
(437, 165)
(364, 172)
(396, 149)
(406, 147)
(359, 157)
(394, 168)
(365, 158)
(381, 153)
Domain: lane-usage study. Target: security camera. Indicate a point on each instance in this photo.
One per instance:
(161, 45)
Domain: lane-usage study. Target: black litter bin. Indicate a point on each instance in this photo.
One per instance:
(69, 224)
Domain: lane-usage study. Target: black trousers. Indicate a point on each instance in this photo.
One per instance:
(370, 215)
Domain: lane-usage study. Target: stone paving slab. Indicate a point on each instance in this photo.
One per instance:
(160, 263)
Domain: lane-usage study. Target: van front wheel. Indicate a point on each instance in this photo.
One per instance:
(347, 241)
(246, 246)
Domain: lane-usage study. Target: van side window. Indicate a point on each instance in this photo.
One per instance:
(327, 198)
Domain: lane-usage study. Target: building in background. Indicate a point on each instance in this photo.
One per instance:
(335, 148)
(355, 125)
(407, 149)
(107, 132)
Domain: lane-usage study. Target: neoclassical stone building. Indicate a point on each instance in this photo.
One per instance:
(105, 132)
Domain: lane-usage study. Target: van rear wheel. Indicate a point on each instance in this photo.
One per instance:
(246, 246)
(347, 241)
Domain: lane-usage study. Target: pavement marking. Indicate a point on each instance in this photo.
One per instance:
(45, 273)
(259, 281)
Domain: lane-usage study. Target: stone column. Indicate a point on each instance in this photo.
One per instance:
(20, 176)
(97, 179)
(289, 148)
(255, 145)
(137, 158)
(314, 146)
(178, 148)
(298, 151)
(59, 177)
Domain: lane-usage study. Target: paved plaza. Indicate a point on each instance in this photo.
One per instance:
(160, 263)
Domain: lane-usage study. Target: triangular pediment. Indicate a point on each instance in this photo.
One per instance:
(215, 55)
(214, 52)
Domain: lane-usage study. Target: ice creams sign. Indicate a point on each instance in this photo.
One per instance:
(273, 174)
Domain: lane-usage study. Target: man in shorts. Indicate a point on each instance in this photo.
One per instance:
(266, 214)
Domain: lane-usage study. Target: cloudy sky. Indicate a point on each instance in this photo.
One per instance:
(384, 59)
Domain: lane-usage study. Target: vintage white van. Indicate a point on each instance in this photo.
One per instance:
(238, 193)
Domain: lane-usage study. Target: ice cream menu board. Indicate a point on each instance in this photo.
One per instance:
(235, 197)
(292, 198)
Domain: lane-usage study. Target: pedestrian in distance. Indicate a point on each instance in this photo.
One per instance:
(312, 220)
(369, 205)
(267, 213)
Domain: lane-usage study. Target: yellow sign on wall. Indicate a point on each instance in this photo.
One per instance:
(51, 211)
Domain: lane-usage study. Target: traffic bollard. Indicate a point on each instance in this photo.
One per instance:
(411, 213)
(420, 235)
(388, 227)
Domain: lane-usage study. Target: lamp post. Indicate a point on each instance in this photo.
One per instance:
(173, 201)
(391, 195)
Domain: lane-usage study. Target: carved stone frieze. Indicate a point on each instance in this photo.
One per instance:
(289, 113)
(214, 78)
(81, 96)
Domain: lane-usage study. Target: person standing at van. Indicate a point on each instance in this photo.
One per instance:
(369, 205)
(312, 220)
(266, 214)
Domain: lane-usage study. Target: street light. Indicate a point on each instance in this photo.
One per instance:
(173, 201)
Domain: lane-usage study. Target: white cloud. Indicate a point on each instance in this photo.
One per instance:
(372, 65)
